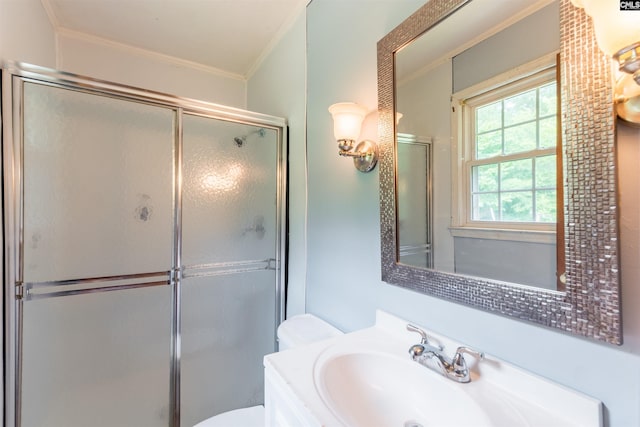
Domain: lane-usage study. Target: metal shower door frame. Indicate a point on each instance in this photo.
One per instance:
(15, 292)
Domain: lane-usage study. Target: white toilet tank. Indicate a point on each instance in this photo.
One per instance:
(304, 329)
(293, 332)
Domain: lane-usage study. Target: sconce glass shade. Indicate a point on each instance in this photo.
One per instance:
(615, 29)
(347, 120)
(627, 101)
(618, 35)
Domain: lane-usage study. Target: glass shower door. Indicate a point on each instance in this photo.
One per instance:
(229, 250)
(143, 236)
(415, 201)
(97, 251)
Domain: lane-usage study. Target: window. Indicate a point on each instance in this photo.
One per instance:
(506, 166)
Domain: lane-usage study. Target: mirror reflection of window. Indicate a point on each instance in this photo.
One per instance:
(507, 162)
(511, 152)
(520, 128)
(494, 201)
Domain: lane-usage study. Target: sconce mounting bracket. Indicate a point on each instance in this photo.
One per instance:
(367, 156)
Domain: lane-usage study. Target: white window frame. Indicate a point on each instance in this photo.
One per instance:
(529, 75)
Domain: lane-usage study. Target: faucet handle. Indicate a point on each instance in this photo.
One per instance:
(458, 361)
(416, 351)
(425, 339)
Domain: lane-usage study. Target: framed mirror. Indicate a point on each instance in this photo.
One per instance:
(539, 244)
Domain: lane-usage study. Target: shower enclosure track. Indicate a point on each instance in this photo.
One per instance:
(31, 288)
(39, 290)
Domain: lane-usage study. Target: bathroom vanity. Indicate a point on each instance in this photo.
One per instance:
(367, 378)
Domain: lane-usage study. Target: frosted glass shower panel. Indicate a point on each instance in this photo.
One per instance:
(415, 202)
(97, 360)
(228, 325)
(229, 191)
(98, 180)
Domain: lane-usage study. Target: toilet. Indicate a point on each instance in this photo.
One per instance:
(293, 332)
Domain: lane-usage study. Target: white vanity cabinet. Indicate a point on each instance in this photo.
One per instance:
(282, 407)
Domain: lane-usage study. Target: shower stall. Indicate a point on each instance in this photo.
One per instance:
(143, 253)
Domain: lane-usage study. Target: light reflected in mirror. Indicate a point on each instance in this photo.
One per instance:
(476, 144)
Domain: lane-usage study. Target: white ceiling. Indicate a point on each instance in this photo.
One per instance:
(227, 35)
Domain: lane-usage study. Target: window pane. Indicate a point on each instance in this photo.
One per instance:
(489, 145)
(520, 138)
(520, 108)
(546, 206)
(489, 117)
(512, 131)
(548, 132)
(485, 178)
(516, 175)
(486, 207)
(546, 172)
(517, 206)
(548, 102)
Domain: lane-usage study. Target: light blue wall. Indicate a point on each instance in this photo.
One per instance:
(538, 34)
(343, 267)
(278, 88)
(25, 33)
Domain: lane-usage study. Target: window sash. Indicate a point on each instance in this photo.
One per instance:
(500, 95)
(533, 188)
(468, 159)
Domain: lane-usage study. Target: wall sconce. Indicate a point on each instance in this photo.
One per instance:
(617, 28)
(347, 121)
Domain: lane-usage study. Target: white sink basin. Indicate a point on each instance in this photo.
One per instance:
(367, 379)
(377, 389)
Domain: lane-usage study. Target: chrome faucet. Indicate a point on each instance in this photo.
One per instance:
(455, 369)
